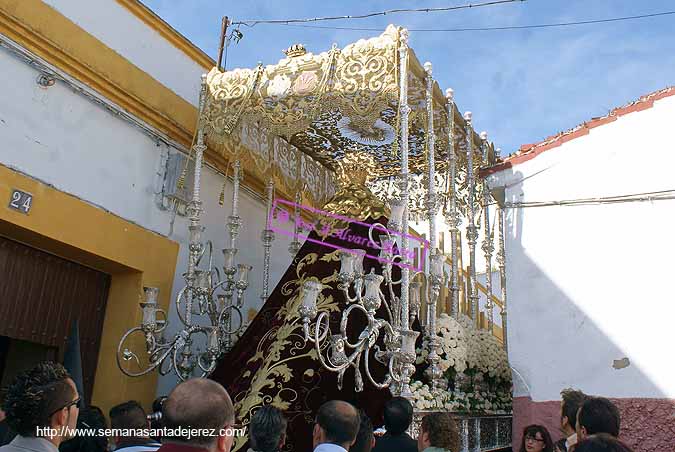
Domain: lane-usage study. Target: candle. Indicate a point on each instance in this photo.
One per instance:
(243, 272)
(213, 340)
(408, 342)
(436, 265)
(397, 208)
(270, 196)
(346, 262)
(386, 247)
(149, 307)
(371, 300)
(151, 294)
(196, 234)
(310, 292)
(229, 254)
(358, 261)
(235, 192)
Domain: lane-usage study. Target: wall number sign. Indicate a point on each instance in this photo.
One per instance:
(21, 201)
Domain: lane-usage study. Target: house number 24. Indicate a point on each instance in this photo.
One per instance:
(21, 201)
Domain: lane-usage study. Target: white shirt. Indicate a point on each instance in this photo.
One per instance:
(29, 444)
(571, 441)
(328, 447)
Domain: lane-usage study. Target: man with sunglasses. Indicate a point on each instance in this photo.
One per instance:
(42, 406)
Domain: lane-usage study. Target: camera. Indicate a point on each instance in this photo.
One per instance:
(156, 416)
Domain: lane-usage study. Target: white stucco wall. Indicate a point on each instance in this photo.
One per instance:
(591, 284)
(114, 25)
(67, 141)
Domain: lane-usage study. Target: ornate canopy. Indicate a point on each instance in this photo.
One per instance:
(341, 101)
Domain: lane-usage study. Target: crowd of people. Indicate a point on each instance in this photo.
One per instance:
(589, 424)
(43, 409)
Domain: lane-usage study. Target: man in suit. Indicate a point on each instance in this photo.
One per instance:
(398, 413)
(569, 406)
(198, 416)
(42, 406)
(336, 427)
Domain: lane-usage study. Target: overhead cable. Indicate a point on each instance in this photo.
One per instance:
(503, 28)
(662, 195)
(253, 22)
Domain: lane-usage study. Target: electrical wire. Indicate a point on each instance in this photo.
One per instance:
(662, 195)
(515, 27)
(253, 22)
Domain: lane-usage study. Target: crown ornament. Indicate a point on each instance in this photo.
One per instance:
(295, 50)
(355, 168)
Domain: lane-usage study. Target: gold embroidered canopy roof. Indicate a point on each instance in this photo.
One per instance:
(332, 103)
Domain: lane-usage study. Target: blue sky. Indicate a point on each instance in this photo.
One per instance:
(521, 86)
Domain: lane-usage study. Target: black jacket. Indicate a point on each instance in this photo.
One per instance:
(395, 443)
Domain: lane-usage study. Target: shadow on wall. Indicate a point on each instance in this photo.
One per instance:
(554, 344)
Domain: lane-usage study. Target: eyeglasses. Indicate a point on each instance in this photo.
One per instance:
(77, 402)
(532, 438)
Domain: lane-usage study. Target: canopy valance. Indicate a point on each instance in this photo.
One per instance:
(340, 101)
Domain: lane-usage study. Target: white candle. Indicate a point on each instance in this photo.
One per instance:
(235, 192)
(270, 196)
(397, 208)
(243, 272)
(310, 292)
(358, 261)
(229, 254)
(436, 265)
(346, 262)
(373, 283)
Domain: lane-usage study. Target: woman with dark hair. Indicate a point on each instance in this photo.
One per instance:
(602, 442)
(438, 433)
(536, 439)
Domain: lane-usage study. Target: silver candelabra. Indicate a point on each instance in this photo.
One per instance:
(206, 304)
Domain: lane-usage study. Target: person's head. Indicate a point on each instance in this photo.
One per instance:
(337, 422)
(127, 415)
(598, 415)
(365, 440)
(602, 442)
(267, 430)
(398, 414)
(438, 430)
(536, 439)
(90, 418)
(572, 399)
(44, 396)
(2, 401)
(200, 404)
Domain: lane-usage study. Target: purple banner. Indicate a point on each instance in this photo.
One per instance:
(286, 225)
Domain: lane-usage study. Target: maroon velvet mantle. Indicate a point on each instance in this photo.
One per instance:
(303, 385)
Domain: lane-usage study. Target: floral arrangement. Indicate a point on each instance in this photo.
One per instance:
(475, 366)
(453, 347)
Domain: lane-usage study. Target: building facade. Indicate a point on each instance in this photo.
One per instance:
(91, 124)
(590, 215)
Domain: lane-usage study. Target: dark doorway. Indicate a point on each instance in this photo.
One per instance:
(41, 296)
